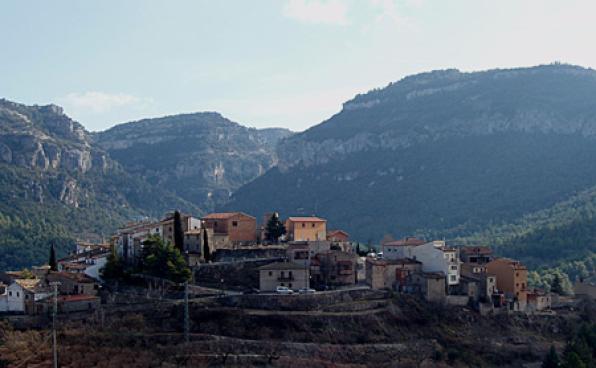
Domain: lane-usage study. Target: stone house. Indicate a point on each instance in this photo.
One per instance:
(476, 255)
(68, 304)
(538, 300)
(73, 283)
(392, 274)
(306, 228)
(166, 225)
(488, 282)
(435, 256)
(429, 285)
(512, 280)
(400, 248)
(338, 236)
(286, 274)
(334, 268)
(22, 294)
(238, 227)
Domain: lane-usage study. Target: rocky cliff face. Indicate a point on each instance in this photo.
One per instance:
(202, 157)
(43, 138)
(439, 150)
(429, 107)
(57, 185)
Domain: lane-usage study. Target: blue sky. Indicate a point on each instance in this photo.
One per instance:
(264, 63)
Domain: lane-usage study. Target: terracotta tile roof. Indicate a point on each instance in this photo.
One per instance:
(223, 215)
(76, 277)
(306, 219)
(333, 232)
(32, 285)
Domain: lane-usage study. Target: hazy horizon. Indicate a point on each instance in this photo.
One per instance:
(287, 64)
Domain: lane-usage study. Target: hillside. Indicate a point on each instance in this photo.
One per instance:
(202, 157)
(439, 151)
(56, 186)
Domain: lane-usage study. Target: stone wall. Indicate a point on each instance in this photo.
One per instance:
(240, 275)
(231, 255)
(302, 302)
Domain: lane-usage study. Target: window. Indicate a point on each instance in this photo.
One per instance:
(18, 294)
(303, 224)
(453, 278)
(454, 268)
(235, 223)
(313, 225)
(290, 285)
(26, 296)
(270, 273)
(10, 293)
(289, 273)
(282, 284)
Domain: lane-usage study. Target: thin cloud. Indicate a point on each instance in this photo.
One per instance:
(333, 12)
(101, 102)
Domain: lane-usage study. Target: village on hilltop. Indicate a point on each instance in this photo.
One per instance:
(234, 254)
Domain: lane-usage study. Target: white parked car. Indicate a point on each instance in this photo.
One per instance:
(307, 291)
(284, 290)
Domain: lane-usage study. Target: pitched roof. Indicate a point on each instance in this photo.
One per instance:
(282, 266)
(224, 215)
(512, 262)
(339, 231)
(31, 285)
(476, 250)
(306, 219)
(409, 241)
(76, 277)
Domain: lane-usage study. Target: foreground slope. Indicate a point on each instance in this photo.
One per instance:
(440, 150)
(56, 186)
(202, 157)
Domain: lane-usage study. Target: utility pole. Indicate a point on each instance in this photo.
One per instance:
(186, 314)
(54, 313)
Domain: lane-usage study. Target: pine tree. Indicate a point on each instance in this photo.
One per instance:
(275, 228)
(178, 232)
(552, 359)
(206, 251)
(164, 260)
(555, 285)
(52, 261)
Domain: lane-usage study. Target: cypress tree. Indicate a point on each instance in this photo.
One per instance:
(206, 251)
(178, 232)
(275, 228)
(52, 262)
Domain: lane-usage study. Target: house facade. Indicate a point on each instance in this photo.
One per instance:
(392, 274)
(306, 228)
(512, 280)
(402, 248)
(435, 256)
(238, 227)
(334, 268)
(338, 236)
(286, 274)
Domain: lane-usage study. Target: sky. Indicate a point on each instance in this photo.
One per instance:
(265, 63)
